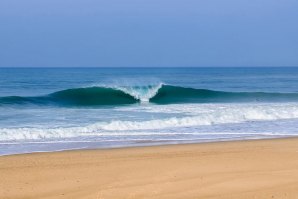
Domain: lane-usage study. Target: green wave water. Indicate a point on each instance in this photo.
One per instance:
(162, 94)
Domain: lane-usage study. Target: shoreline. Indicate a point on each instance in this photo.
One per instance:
(144, 145)
(263, 168)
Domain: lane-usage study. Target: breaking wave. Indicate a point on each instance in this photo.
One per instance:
(158, 94)
(217, 115)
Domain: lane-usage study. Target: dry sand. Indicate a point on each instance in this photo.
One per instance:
(243, 169)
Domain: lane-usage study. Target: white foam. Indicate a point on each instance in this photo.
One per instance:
(143, 93)
(196, 115)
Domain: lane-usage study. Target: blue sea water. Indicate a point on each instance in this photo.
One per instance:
(49, 109)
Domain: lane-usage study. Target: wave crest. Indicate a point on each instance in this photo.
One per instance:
(158, 94)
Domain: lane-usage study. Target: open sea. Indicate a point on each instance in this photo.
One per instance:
(52, 109)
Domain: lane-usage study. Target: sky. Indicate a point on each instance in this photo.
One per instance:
(148, 33)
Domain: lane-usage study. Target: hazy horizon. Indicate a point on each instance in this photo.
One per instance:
(131, 33)
(148, 66)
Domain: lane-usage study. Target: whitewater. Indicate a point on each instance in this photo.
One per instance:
(63, 109)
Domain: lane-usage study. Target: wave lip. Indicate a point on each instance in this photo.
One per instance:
(142, 93)
(158, 94)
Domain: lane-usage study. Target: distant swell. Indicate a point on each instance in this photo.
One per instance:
(160, 94)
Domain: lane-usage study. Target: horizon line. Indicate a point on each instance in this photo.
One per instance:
(259, 66)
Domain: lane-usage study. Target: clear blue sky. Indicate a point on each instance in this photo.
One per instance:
(107, 33)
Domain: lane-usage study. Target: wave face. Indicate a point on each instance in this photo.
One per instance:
(159, 94)
(91, 96)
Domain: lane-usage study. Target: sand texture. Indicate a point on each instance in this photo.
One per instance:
(242, 169)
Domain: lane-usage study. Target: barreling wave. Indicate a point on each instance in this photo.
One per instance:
(159, 94)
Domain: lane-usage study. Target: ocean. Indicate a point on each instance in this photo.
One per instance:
(53, 109)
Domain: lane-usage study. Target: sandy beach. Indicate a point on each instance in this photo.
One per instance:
(240, 169)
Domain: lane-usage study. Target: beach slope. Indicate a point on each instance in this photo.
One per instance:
(240, 169)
